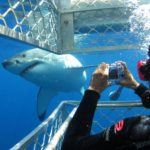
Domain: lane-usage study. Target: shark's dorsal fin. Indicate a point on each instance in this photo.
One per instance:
(43, 99)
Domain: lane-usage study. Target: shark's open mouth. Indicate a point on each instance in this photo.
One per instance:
(27, 69)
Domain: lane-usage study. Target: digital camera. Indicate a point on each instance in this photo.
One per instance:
(116, 72)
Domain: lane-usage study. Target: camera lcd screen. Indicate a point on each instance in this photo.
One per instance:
(113, 74)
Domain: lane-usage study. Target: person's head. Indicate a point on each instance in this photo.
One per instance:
(141, 129)
(138, 131)
(143, 67)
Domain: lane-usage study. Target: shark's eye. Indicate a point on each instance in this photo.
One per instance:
(17, 61)
(23, 55)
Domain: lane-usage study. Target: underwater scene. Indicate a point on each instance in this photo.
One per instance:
(22, 87)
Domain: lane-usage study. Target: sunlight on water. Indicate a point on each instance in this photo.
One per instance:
(140, 24)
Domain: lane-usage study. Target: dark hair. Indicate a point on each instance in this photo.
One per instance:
(139, 134)
(145, 145)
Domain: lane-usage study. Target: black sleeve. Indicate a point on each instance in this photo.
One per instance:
(144, 93)
(81, 123)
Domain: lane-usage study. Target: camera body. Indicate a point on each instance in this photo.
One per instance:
(116, 72)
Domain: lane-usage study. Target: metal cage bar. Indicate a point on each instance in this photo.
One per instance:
(67, 26)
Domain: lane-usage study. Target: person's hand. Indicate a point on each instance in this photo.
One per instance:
(128, 80)
(99, 80)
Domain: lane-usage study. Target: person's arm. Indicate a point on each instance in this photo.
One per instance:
(80, 125)
(144, 93)
(141, 90)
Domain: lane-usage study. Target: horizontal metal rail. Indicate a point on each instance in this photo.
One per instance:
(111, 104)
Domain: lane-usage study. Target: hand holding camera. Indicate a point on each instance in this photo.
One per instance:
(119, 74)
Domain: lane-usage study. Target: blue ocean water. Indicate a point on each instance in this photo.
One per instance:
(18, 96)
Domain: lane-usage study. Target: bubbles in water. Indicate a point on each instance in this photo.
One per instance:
(132, 3)
(140, 24)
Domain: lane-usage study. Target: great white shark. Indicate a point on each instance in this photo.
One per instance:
(53, 73)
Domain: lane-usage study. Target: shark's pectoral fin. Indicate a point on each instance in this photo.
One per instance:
(43, 99)
(82, 90)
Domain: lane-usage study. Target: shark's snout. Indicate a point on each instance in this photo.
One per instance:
(7, 63)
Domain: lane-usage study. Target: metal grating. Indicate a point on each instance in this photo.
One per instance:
(66, 26)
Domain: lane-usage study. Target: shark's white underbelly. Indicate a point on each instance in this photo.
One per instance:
(66, 80)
